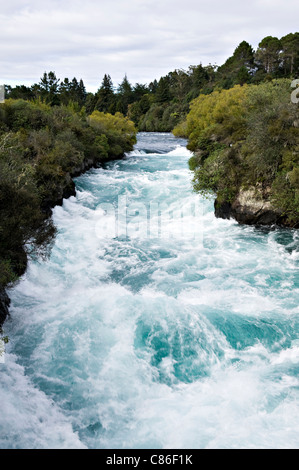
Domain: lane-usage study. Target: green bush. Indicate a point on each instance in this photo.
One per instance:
(246, 137)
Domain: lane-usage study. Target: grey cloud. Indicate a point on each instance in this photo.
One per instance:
(142, 38)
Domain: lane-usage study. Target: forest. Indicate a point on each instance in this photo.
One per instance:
(162, 104)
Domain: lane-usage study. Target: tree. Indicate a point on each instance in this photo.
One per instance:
(20, 92)
(82, 94)
(237, 68)
(72, 91)
(124, 96)
(243, 76)
(153, 86)
(139, 91)
(163, 91)
(105, 96)
(244, 55)
(64, 91)
(49, 86)
(199, 76)
(268, 54)
(290, 53)
(179, 85)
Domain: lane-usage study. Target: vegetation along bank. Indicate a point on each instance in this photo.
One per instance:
(42, 147)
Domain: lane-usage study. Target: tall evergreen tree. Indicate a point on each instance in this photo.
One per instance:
(268, 54)
(82, 92)
(153, 86)
(72, 91)
(244, 55)
(139, 91)
(199, 75)
(290, 53)
(162, 91)
(237, 68)
(48, 88)
(105, 96)
(64, 91)
(124, 96)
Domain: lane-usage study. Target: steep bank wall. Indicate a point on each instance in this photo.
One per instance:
(251, 208)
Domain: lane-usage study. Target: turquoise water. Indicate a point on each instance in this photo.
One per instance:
(153, 324)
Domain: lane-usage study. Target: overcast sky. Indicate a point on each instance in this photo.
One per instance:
(144, 39)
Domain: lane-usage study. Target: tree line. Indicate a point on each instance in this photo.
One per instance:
(163, 103)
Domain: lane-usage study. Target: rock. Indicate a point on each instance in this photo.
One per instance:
(61, 192)
(223, 210)
(252, 207)
(4, 304)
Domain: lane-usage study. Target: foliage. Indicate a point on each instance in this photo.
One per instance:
(104, 98)
(290, 53)
(120, 131)
(238, 68)
(24, 228)
(246, 137)
(124, 96)
(215, 117)
(41, 147)
(268, 54)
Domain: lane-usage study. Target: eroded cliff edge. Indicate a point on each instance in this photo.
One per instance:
(4, 305)
(252, 207)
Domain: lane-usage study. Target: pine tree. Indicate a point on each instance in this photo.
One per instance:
(124, 96)
(82, 92)
(105, 96)
(237, 68)
(64, 91)
(162, 91)
(49, 87)
(244, 55)
(268, 54)
(290, 53)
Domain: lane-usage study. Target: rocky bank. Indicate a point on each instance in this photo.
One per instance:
(4, 304)
(251, 207)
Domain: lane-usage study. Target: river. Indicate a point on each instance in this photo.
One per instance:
(153, 324)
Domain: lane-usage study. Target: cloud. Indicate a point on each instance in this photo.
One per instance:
(141, 38)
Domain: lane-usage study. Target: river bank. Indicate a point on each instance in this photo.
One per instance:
(62, 192)
(255, 209)
(245, 144)
(42, 149)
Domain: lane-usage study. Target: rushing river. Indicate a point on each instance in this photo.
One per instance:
(153, 324)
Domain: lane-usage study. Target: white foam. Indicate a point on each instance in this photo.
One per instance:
(152, 342)
(30, 419)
